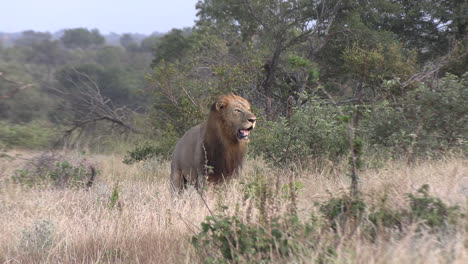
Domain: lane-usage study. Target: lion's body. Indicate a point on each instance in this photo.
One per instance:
(215, 148)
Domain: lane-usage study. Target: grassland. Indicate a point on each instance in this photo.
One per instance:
(130, 216)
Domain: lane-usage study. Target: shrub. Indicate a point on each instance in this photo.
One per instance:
(162, 148)
(141, 153)
(429, 118)
(341, 210)
(51, 168)
(226, 239)
(424, 210)
(431, 211)
(314, 131)
(34, 135)
(382, 216)
(281, 237)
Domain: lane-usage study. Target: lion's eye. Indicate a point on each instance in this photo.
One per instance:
(238, 110)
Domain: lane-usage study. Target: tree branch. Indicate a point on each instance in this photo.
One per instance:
(15, 90)
(90, 106)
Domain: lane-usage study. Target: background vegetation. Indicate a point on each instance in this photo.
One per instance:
(403, 65)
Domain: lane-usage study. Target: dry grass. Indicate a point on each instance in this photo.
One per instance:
(148, 225)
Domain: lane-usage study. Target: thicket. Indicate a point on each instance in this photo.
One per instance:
(52, 169)
(270, 229)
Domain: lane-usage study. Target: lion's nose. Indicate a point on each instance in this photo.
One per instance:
(252, 120)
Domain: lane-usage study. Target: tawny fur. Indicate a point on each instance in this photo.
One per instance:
(213, 148)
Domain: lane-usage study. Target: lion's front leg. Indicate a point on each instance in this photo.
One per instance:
(177, 181)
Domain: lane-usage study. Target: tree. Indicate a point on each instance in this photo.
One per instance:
(149, 43)
(110, 80)
(87, 103)
(278, 25)
(172, 46)
(82, 38)
(18, 86)
(427, 26)
(127, 41)
(30, 37)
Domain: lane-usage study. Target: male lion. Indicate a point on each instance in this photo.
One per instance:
(214, 148)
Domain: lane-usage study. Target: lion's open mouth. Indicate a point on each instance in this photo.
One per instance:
(244, 133)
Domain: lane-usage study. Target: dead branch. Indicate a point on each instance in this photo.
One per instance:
(431, 69)
(15, 90)
(90, 106)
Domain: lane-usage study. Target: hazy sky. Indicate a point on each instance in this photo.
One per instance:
(119, 16)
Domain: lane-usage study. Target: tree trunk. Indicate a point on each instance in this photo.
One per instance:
(270, 69)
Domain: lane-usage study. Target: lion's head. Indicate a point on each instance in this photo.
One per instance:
(236, 119)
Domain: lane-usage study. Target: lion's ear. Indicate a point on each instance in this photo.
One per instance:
(220, 105)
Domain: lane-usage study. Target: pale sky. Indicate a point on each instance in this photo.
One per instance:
(119, 16)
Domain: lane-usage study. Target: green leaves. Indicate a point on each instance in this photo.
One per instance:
(314, 131)
(82, 38)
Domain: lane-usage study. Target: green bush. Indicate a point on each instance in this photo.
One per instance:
(314, 131)
(282, 237)
(50, 168)
(424, 210)
(382, 216)
(161, 148)
(34, 135)
(338, 211)
(430, 211)
(141, 153)
(430, 119)
(227, 239)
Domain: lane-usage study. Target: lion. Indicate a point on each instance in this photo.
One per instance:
(214, 148)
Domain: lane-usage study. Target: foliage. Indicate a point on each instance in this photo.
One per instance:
(339, 211)
(366, 64)
(114, 197)
(382, 216)
(430, 118)
(30, 37)
(111, 81)
(281, 237)
(50, 168)
(226, 239)
(126, 40)
(388, 57)
(424, 210)
(431, 211)
(148, 150)
(82, 38)
(149, 43)
(313, 131)
(140, 153)
(177, 101)
(172, 46)
(44, 67)
(34, 135)
(28, 104)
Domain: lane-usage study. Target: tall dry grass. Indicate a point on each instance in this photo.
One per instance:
(148, 225)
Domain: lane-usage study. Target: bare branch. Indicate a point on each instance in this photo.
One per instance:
(431, 69)
(90, 106)
(15, 90)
